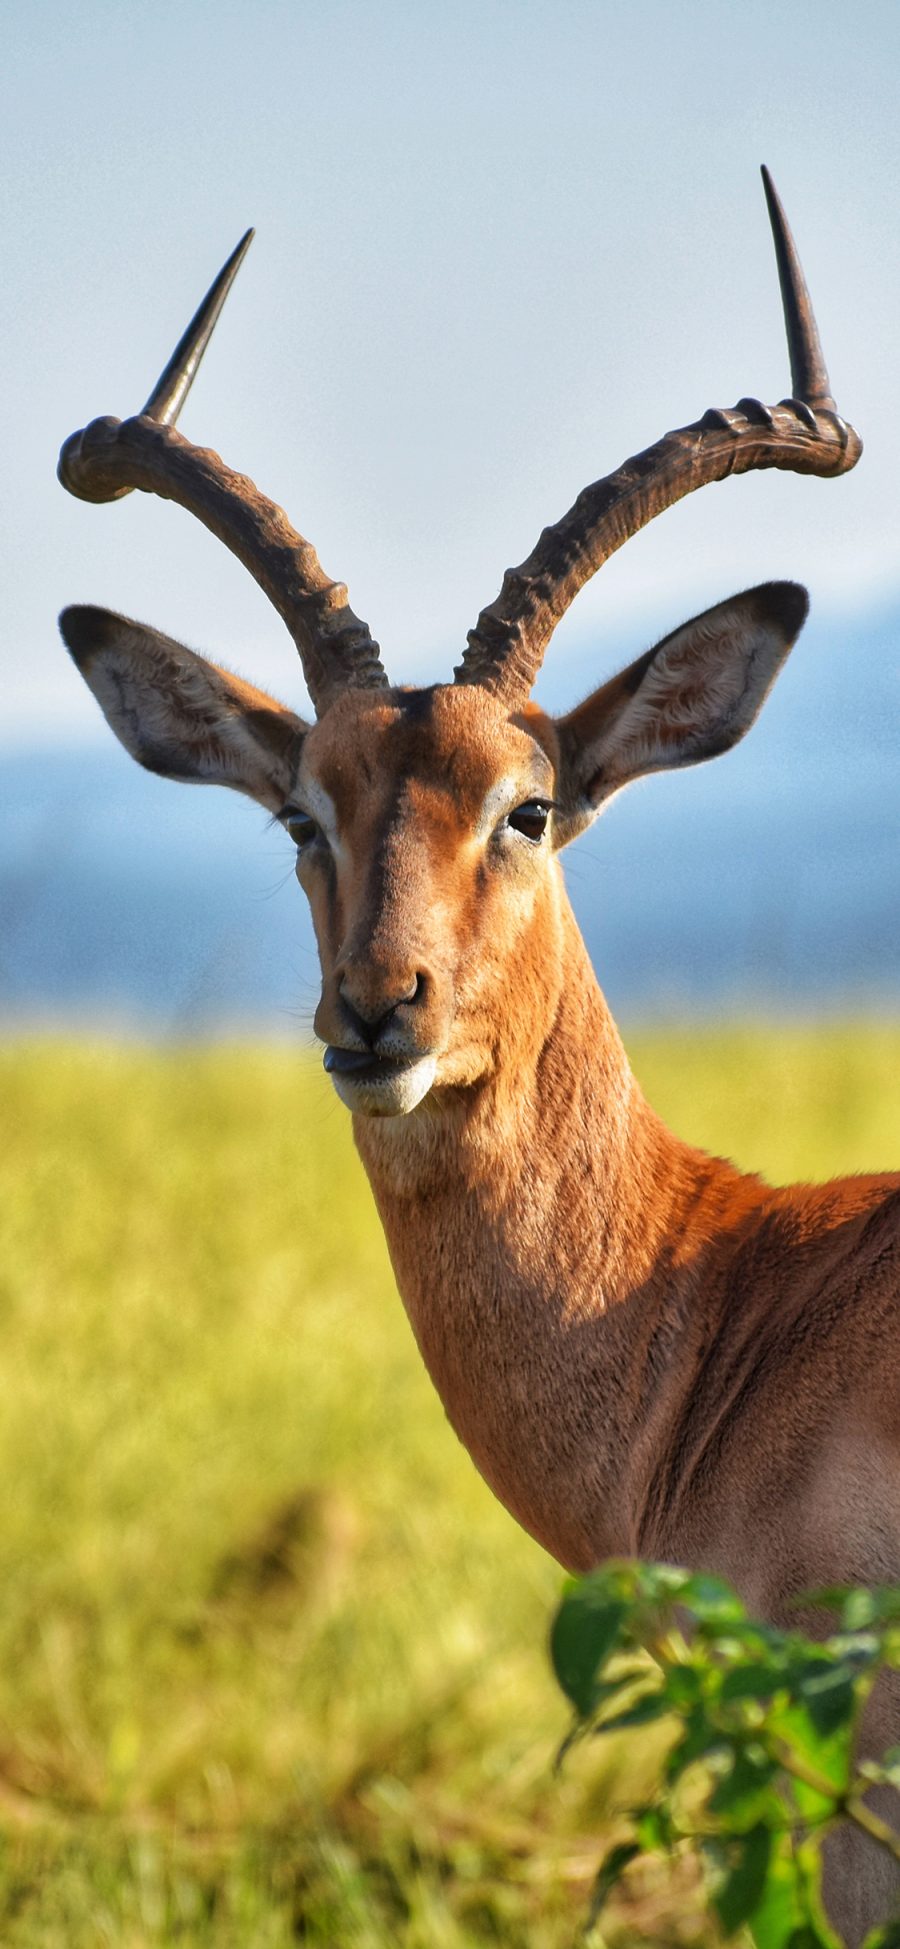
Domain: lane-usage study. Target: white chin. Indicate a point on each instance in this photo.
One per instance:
(388, 1096)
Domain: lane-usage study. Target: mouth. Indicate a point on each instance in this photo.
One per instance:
(363, 1063)
(379, 1086)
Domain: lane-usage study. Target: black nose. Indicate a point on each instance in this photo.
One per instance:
(370, 1003)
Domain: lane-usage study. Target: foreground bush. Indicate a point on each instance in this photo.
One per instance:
(760, 1763)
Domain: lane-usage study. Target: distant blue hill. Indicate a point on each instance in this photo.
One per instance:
(768, 880)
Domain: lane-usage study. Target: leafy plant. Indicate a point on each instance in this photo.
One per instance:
(761, 1759)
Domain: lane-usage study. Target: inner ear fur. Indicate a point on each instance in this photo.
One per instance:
(692, 696)
(180, 715)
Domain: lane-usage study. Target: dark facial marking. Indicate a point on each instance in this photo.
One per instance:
(417, 705)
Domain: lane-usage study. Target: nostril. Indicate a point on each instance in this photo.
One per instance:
(415, 993)
(371, 1000)
(366, 1014)
(357, 1022)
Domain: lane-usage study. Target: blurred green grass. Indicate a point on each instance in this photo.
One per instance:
(272, 1661)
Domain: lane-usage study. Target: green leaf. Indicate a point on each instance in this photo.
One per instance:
(758, 1708)
(625, 1678)
(739, 1796)
(756, 1681)
(829, 1757)
(611, 1871)
(662, 1583)
(584, 1632)
(830, 1597)
(788, 1915)
(653, 1705)
(780, 1910)
(891, 1647)
(885, 1938)
(866, 1607)
(711, 1600)
(859, 1608)
(830, 1699)
(741, 1891)
(858, 1651)
(804, 1662)
(682, 1685)
(655, 1828)
(808, 1936)
(700, 1738)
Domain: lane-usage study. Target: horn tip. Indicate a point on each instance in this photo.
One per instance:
(772, 197)
(233, 263)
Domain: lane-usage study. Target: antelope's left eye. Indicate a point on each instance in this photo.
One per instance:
(530, 819)
(302, 829)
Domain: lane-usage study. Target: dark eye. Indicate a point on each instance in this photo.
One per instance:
(302, 829)
(530, 819)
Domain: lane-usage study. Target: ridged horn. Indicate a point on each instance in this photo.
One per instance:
(803, 434)
(109, 458)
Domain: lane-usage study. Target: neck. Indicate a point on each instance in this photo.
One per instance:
(547, 1233)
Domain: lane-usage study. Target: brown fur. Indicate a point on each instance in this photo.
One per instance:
(644, 1351)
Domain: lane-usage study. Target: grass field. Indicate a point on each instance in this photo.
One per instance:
(272, 1661)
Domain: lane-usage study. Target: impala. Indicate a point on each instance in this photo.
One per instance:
(644, 1351)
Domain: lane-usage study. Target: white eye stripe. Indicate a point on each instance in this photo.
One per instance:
(498, 801)
(504, 798)
(313, 802)
(313, 806)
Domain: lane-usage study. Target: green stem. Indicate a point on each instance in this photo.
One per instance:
(877, 1829)
(850, 1803)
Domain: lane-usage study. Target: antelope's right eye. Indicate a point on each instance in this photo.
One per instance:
(301, 828)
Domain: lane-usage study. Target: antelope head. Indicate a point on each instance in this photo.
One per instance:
(427, 821)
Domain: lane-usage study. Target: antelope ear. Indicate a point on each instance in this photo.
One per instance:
(691, 697)
(181, 716)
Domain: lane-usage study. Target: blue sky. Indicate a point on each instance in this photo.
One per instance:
(499, 248)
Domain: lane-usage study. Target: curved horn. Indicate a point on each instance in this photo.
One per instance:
(109, 458)
(175, 382)
(803, 434)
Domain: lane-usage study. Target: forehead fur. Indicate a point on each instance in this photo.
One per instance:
(458, 738)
